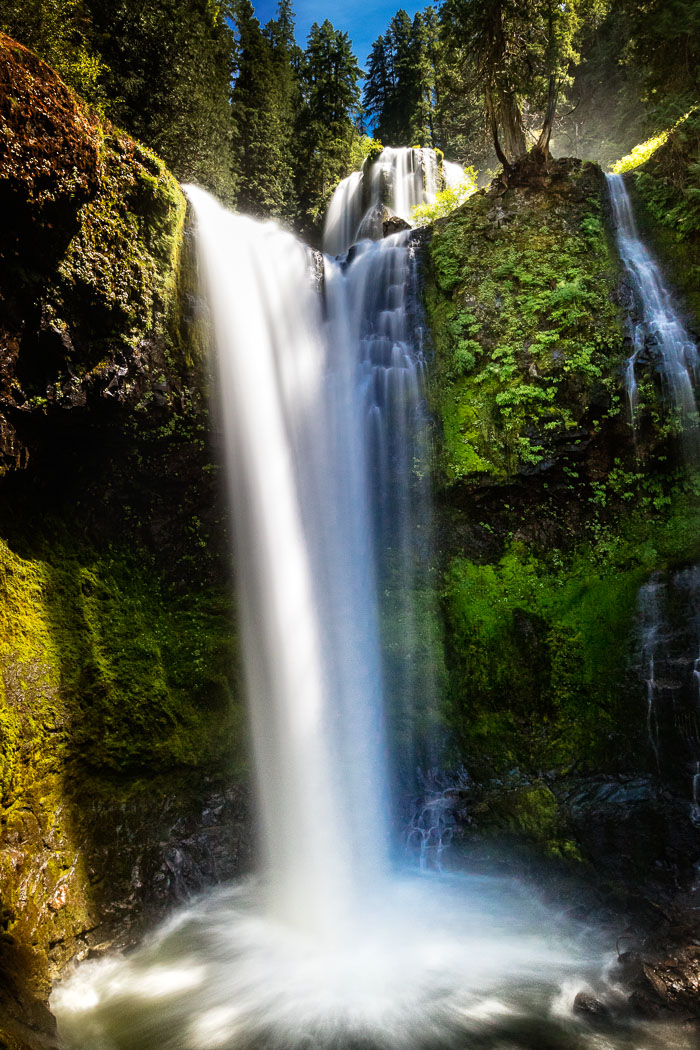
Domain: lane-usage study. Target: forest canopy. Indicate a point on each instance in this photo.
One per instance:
(272, 125)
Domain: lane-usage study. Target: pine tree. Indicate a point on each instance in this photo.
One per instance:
(286, 65)
(400, 92)
(168, 73)
(325, 129)
(377, 87)
(259, 156)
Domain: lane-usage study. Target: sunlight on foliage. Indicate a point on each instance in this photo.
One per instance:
(362, 148)
(446, 201)
(641, 153)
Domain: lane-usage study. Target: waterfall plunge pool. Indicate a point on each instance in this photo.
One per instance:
(426, 963)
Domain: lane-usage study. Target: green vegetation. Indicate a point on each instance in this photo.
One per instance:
(120, 270)
(539, 643)
(446, 201)
(527, 335)
(640, 154)
(103, 667)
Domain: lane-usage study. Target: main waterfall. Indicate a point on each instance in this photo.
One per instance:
(307, 594)
(334, 946)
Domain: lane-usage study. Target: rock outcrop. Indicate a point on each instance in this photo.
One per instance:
(122, 766)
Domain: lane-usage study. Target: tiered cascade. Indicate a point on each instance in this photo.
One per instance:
(391, 185)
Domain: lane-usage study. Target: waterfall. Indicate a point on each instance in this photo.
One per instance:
(372, 304)
(393, 184)
(308, 607)
(667, 651)
(332, 946)
(659, 331)
(454, 173)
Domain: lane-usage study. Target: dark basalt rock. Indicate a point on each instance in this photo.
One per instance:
(394, 224)
(592, 1009)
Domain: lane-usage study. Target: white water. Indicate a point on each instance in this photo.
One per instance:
(305, 566)
(332, 948)
(659, 333)
(660, 328)
(453, 172)
(394, 184)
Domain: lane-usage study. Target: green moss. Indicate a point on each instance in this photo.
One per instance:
(539, 644)
(103, 667)
(117, 280)
(520, 298)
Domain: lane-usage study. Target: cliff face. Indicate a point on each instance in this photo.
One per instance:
(555, 514)
(122, 764)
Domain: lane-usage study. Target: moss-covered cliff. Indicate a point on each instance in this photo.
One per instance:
(121, 759)
(553, 512)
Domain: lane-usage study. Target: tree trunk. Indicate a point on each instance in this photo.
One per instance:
(493, 122)
(542, 144)
(514, 143)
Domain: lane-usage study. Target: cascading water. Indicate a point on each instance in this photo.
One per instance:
(393, 184)
(669, 670)
(659, 330)
(332, 948)
(371, 304)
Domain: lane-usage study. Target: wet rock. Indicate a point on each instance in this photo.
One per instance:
(317, 269)
(394, 224)
(591, 1008)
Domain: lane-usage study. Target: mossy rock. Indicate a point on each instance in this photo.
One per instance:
(90, 274)
(528, 335)
(50, 147)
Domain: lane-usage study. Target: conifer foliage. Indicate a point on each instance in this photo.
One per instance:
(272, 126)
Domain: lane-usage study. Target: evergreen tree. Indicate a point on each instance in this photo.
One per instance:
(377, 89)
(516, 50)
(168, 79)
(424, 42)
(260, 141)
(325, 130)
(400, 92)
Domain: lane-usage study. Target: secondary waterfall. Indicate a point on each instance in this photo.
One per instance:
(659, 330)
(668, 650)
(332, 947)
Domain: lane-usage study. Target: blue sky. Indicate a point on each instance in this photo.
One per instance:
(362, 21)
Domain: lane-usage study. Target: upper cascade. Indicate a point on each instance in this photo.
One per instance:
(392, 185)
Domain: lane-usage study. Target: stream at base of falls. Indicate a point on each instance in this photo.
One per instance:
(333, 949)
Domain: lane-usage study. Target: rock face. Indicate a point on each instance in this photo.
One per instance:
(89, 255)
(122, 766)
(554, 514)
